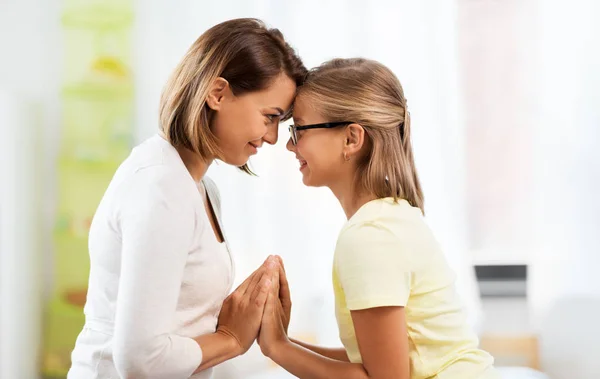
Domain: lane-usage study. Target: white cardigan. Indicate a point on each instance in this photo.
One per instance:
(158, 274)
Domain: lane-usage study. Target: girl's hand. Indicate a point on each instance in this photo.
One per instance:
(284, 297)
(272, 330)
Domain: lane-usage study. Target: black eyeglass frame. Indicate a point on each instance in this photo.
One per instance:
(326, 125)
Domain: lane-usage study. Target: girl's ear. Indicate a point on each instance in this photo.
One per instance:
(354, 139)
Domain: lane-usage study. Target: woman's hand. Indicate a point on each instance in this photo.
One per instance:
(241, 314)
(284, 297)
(272, 330)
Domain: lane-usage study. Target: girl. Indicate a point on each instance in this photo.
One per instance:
(160, 266)
(396, 307)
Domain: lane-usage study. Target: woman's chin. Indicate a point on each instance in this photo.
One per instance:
(236, 161)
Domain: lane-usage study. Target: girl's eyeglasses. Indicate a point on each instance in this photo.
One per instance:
(328, 125)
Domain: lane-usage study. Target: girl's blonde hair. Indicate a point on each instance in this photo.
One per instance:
(245, 53)
(369, 94)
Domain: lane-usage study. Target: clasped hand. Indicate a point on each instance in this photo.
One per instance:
(259, 309)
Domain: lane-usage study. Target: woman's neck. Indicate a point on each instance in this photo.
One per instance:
(194, 163)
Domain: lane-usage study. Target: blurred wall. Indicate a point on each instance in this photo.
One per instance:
(30, 54)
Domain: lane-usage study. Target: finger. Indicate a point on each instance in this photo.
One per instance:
(280, 260)
(272, 267)
(282, 267)
(271, 274)
(284, 288)
(280, 308)
(256, 282)
(246, 281)
(261, 292)
(244, 286)
(274, 270)
(271, 306)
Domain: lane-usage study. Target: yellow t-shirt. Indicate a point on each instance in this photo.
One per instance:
(387, 256)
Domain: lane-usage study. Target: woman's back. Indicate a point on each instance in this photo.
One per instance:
(158, 274)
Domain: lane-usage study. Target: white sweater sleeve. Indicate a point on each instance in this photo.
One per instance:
(157, 223)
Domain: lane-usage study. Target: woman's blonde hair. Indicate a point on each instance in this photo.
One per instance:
(369, 94)
(242, 51)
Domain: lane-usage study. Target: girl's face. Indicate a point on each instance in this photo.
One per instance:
(243, 123)
(320, 152)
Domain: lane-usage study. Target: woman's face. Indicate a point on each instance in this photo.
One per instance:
(243, 123)
(320, 152)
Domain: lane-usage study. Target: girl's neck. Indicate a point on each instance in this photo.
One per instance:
(350, 199)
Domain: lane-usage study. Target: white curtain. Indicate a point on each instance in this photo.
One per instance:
(20, 258)
(567, 155)
(29, 118)
(567, 183)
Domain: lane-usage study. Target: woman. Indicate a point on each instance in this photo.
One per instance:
(157, 305)
(396, 306)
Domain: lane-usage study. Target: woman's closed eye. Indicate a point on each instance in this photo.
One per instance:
(272, 118)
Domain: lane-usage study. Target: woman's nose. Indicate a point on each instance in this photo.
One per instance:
(271, 136)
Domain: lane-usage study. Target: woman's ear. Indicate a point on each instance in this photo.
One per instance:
(217, 92)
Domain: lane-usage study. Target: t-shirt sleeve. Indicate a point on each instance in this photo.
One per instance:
(373, 267)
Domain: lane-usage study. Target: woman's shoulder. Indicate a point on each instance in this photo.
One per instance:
(137, 189)
(155, 166)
